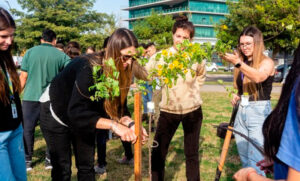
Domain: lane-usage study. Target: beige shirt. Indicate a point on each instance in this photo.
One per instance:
(184, 97)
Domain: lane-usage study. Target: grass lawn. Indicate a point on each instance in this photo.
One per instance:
(216, 109)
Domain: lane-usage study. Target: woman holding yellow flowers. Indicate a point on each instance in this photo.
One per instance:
(180, 103)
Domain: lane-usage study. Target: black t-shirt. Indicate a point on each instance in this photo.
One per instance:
(70, 97)
(7, 122)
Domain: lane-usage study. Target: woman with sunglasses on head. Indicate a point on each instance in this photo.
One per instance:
(71, 117)
(281, 131)
(253, 75)
(11, 132)
(182, 105)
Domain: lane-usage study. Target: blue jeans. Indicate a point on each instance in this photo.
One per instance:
(249, 121)
(12, 155)
(148, 96)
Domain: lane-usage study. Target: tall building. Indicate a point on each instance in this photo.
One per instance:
(203, 13)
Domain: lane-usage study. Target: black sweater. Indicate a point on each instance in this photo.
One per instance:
(70, 101)
(7, 122)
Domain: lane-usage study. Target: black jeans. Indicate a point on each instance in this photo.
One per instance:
(167, 125)
(60, 139)
(31, 115)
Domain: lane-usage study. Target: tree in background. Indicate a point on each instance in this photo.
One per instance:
(155, 28)
(70, 19)
(279, 21)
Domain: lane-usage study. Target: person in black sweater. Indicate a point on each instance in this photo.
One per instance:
(71, 117)
(11, 132)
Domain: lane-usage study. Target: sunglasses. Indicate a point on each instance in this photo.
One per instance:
(125, 58)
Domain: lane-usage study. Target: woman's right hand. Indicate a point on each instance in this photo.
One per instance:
(235, 99)
(125, 133)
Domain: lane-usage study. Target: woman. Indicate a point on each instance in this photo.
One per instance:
(253, 77)
(282, 132)
(11, 132)
(73, 49)
(182, 105)
(71, 117)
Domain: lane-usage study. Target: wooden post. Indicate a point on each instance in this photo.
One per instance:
(138, 132)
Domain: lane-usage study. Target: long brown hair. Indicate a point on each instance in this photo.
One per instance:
(6, 21)
(122, 38)
(258, 57)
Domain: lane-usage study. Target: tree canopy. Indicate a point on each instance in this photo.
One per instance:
(155, 28)
(72, 20)
(279, 21)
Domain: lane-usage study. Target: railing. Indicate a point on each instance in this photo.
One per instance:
(141, 2)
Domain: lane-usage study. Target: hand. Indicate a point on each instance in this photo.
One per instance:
(125, 120)
(234, 100)
(242, 174)
(124, 132)
(144, 134)
(133, 85)
(232, 58)
(265, 165)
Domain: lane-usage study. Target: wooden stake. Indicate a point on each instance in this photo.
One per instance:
(138, 132)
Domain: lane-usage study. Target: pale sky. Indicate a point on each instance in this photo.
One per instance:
(105, 6)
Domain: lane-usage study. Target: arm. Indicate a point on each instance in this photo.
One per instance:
(256, 75)
(23, 79)
(201, 73)
(249, 174)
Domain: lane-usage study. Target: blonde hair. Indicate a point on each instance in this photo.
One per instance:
(258, 57)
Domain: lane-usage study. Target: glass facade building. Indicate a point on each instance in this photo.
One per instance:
(203, 13)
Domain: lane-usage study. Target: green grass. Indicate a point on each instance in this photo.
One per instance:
(216, 109)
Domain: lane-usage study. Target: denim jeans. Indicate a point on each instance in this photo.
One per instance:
(12, 155)
(249, 121)
(147, 97)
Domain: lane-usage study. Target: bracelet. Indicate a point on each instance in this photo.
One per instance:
(249, 173)
(112, 126)
(130, 124)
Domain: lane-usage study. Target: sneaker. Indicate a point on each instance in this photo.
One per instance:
(28, 166)
(126, 161)
(100, 170)
(48, 165)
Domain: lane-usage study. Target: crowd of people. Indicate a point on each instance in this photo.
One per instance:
(55, 81)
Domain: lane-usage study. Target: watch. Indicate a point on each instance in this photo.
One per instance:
(237, 65)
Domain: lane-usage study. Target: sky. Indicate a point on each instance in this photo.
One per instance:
(103, 6)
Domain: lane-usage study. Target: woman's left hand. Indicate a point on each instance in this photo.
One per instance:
(242, 174)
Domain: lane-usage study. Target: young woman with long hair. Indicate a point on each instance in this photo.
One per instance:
(71, 117)
(183, 105)
(281, 131)
(11, 132)
(253, 74)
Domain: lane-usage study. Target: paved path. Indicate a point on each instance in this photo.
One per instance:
(220, 88)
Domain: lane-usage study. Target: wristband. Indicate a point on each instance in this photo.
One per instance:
(130, 124)
(112, 126)
(249, 173)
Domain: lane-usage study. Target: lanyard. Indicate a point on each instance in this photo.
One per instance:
(8, 80)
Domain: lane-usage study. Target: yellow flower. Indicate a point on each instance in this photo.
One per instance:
(176, 63)
(170, 86)
(170, 54)
(181, 66)
(185, 71)
(171, 66)
(166, 80)
(224, 27)
(159, 66)
(190, 44)
(185, 55)
(159, 73)
(164, 53)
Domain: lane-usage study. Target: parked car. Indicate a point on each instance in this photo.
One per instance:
(220, 65)
(278, 77)
(229, 68)
(211, 67)
(18, 61)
